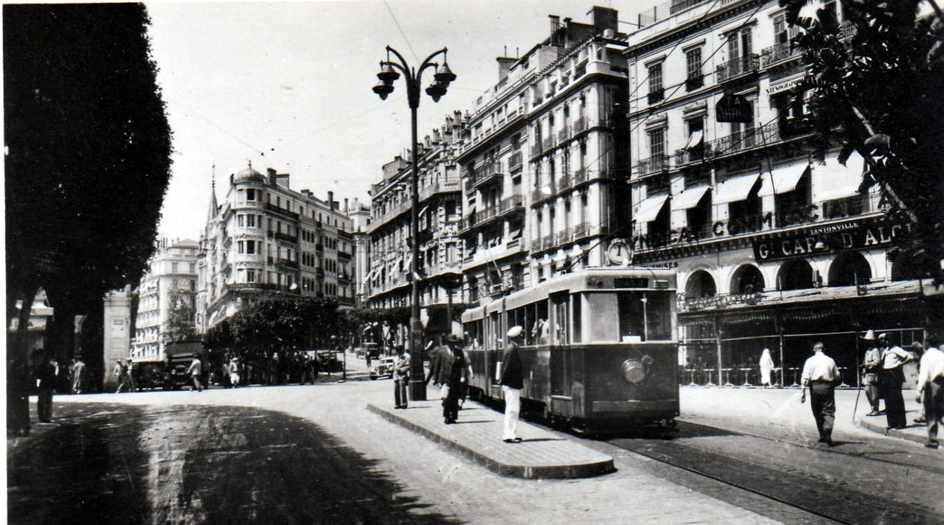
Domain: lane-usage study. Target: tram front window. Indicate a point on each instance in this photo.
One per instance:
(644, 316)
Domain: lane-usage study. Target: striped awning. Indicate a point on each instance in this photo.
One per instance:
(649, 209)
(736, 188)
(690, 197)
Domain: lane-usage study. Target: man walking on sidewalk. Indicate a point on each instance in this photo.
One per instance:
(821, 376)
(890, 380)
(931, 385)
(512, 383)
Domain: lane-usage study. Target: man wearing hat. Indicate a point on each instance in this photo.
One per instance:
(871, 366)
(890, 380)
(450, 368)
(512, 382)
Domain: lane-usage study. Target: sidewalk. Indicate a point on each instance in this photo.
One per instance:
(477, 435)
(780, 410)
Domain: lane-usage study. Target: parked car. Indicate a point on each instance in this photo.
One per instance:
(383, 367)
(367, 348)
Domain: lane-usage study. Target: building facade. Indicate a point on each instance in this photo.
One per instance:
(388, 281)
(360, 222)
(541, 160)
(774, 247)
(265, 239)
(169, 284)
(116, 336)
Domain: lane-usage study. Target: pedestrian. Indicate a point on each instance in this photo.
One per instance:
(821, 376)
(449, 367)
(401, 377)
(871, 367)
(766, 367)
(890, 380)
(131, 372)
(917, 351)
(45, 375)
(234, 375)
(367, 357)
(78, 375)
(512, 382)
(195, 369)
(931, 388)
(121, 375)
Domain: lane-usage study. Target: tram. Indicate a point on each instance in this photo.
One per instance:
(599, 354)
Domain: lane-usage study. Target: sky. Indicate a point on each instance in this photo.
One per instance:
(288, 85)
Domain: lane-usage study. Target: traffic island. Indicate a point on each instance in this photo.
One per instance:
(913, 432)
(477, 436)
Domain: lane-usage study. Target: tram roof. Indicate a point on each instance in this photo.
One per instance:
(588, 279)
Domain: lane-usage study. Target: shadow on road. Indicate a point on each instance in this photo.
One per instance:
(121, 464)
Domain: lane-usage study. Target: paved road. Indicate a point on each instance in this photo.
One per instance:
(301, 454)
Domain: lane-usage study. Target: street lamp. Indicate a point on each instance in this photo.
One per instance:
(443, 76)
(645, 318)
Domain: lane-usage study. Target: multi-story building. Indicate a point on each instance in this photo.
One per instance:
(540, 156)
(360, 222)
(440, 207)
(774, 248)
(266, 238)
(169, 284)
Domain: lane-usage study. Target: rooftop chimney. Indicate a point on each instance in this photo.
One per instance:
(555, 25)
(604, 18)
(504, 66)
(346, 209)
(272, 174)
(330, 199)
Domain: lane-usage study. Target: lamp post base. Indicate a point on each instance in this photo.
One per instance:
(417, 390)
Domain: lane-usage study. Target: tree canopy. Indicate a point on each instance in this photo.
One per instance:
(88, 155)
(875, 84)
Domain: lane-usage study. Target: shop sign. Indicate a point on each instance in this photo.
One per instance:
(734, 108)
(828, 239)
(681, 236)
(785, 85)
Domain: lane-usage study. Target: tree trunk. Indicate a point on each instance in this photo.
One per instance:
(19, 378)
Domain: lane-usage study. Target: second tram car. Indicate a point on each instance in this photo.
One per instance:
(599, 353)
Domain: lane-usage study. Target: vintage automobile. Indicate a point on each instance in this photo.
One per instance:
(384, 366)
(178, 356)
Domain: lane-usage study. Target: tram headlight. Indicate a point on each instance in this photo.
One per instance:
(633, 371)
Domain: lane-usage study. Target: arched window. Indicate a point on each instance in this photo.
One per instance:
(848, 269)
(700, 284)
(795, 275)
(746, 280)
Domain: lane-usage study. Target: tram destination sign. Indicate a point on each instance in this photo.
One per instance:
(827, 239)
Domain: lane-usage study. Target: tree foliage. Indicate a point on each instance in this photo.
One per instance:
(88, 156)
(875, 88)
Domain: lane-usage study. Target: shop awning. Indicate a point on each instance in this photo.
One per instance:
(783, 179)
(695, 139)
(736, 188)
(690, 197)
(835, 181)
(649, 209)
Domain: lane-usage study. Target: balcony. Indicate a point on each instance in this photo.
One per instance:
(539, 195)
(548, 144)
(580, 231)
(282, 211)
(514, 161)
(511, 204)
(655, 96)
(563, 135)
(580, 125)
(779, 53)
(286, 237)
(652, 165)
(487, 173)
(694, 82)
(343, 254)
(563, 237)
(344, 277)
(547, 242)
(564, 182)
(536, 149)
(288, 263)
(443, 186)
(737, 68)
(580, 176)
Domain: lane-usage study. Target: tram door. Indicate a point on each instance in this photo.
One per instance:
(560, 344)
(493, 356)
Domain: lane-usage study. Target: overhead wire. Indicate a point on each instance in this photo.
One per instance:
(402, 32)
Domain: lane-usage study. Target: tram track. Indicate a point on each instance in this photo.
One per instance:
(830, 497)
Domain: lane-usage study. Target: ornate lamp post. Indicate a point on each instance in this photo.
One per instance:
(443, 77)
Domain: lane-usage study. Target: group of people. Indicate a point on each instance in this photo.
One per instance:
(451, 370)
(883, 377)
(50, 378)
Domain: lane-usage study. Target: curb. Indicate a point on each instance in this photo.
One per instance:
(585, 470)
(895, 433)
